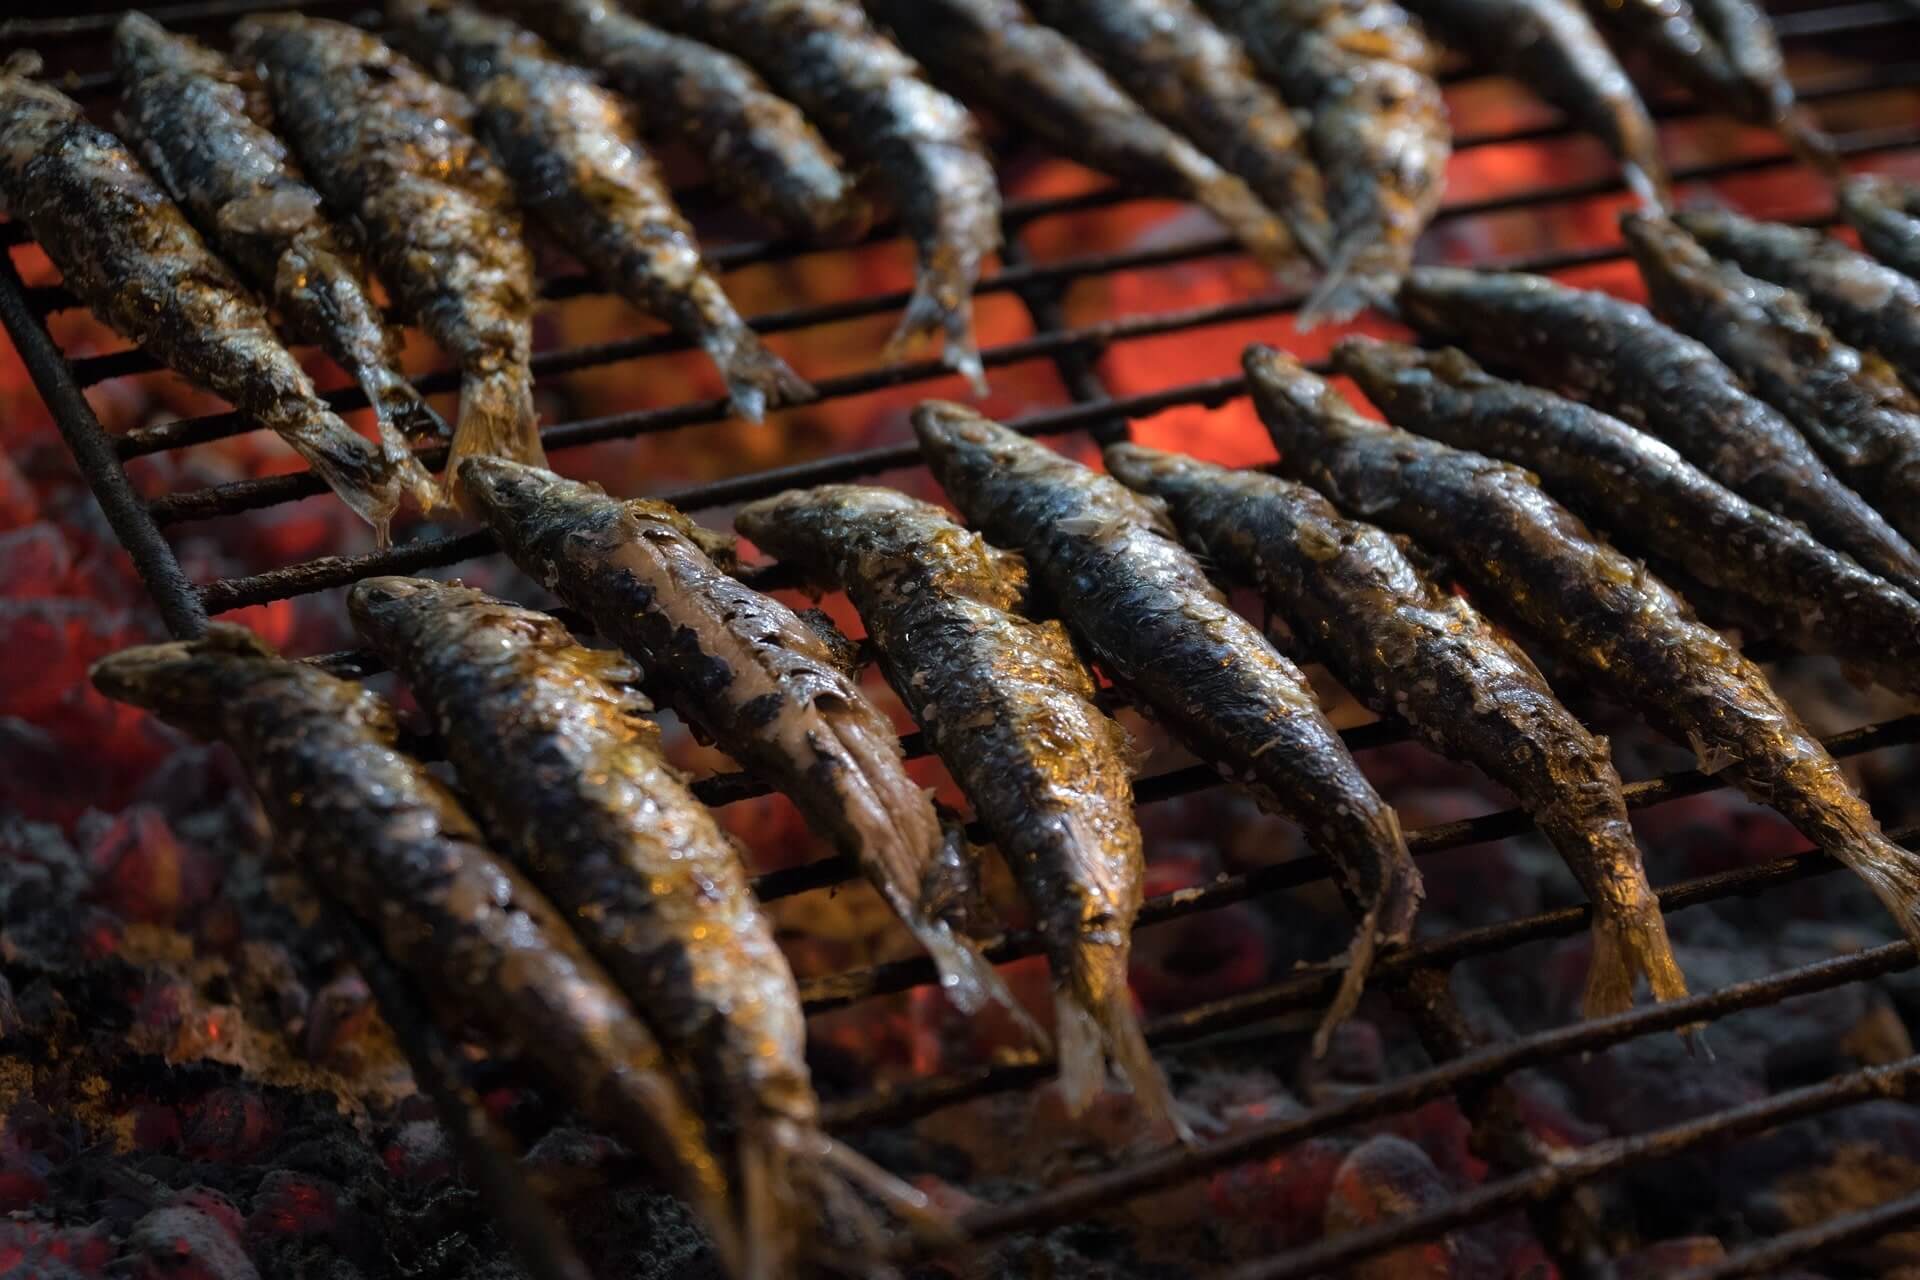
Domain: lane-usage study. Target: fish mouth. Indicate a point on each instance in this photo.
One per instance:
(1138, 467)
(946, 427)
(499, 482)
(126, 675)
(371, 597)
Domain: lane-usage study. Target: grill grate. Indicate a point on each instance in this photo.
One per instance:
(1463, 1068)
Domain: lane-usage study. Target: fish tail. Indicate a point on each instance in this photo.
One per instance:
(968, 978)
(1347, 290)
(362, 476)
(402, 417)
(496, 418)
(820, 1197)
(757, 379)
(939, 303)
(1259, 229)
(1389, 919)
(1094, 1020)
(1892, 871)
(1630, 942)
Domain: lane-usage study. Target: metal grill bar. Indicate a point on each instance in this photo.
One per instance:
(1852, 1228)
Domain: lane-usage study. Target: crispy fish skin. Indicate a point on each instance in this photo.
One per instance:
(1197, 80)
(874, 104)
(1410, 648)
(1851, 405)
(391, 147)
(546, 735)
(127, 251)
(200, 126)
(1597, 609)
(578, 166)
(1615, 356)
(1115, 570)
(1651, 499)
(1868, 304)
(1553, 47)
(1886, 213)
(376, 829)
(1008, 705)
(1363, 69)
(761, 150)
(746, 672)
(991, 51)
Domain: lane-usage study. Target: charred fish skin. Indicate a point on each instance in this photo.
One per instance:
(547, 737)
(1144, 607)
(394, 149)
(1008, 706)
(1597, 609)
(1363, 69)
(1615, 356)
(578, 166)
(1867, 303)
(200, 127)
(992, 51)
(1412, 649)
(761, 150)
(128, 251)
(1886, 213)
(1553, 47)
(748, 673)
(1197, 80)
(872, 102)
(1850, 405)
(376, 829)
(1652, 500)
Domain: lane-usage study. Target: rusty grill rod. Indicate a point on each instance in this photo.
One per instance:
(1822, 1238)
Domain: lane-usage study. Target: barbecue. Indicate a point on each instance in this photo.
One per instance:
(206, 1022)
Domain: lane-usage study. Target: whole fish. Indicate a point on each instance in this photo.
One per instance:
(578, 167)
(1726, 52)
(1868, 304)
(1197, 80)
(127, 251)
(1597, 610)
(1115, 570)
(1851, 405)
(1008, 705)
(873, 103)
(758, 146)
(1886, 213)
(993, 52)
(375, 829)
(548, 740)
(392, 148)
(201, 126)
(1653, 500)
(1615, 356)
(1553, 48)
(1410, 648)
(1363, 71)
(752, 677)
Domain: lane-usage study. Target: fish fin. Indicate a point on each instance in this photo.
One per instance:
(926, 312)
(1088, 1036)
(1629, 943)
(757, 379)
(496, 419)
(968, 977)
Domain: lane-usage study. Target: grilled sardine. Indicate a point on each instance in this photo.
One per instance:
(1650, 499)
(1867, 303)
(1410, 648)
(1553, 48)
(128, 252)
(392, 148)
(1600, 612)
(1614, 355)
(751, 676)
(1363, 70)
(760, 149)
(547, 739)
(578, 166)
(1851, 405)
(375, 829)
(1886, 213)
(201, 126)
(1197, 80)
(992, 52)
(1008, 706)
(873, 103)
(1111, 565)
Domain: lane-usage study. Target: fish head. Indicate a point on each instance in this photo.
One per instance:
(503, 490)
(967, 451)
(1153, 471)
(1404, 380)
(181, 680)
(384, 610)
(142, 47)
(30, 111)
(1434, 300)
